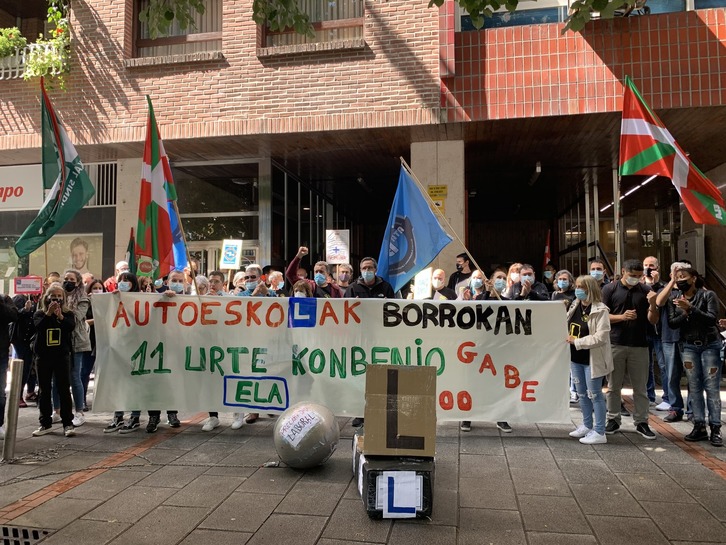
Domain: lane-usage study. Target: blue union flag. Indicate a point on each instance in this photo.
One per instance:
(413, 237)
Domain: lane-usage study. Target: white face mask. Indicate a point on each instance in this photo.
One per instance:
(300, 294)
(437, 283)
(514, 277)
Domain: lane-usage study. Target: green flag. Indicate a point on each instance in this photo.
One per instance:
(68, 183)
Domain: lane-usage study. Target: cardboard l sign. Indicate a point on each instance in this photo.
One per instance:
(400, 412)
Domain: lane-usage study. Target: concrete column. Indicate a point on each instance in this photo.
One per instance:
(442, 163)
(128, 190)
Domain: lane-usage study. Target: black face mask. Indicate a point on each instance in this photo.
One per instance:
(55, 300)
(69, 286)
(683, 285)
(459, 267)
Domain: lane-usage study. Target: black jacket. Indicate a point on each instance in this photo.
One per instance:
(54, 336)
(538, 292)
(701, 324)
(8, 315)
(380, 288)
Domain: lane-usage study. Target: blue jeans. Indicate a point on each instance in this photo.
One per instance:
(674, 371)
(591, 397)
(89, 360)
(703, 368)
(655, 347)
(76, 384)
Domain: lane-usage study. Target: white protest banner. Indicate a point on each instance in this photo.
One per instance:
(337, 246)
(495, 360)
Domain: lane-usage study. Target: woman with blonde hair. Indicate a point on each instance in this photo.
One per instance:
(512, 278)
(588, 322)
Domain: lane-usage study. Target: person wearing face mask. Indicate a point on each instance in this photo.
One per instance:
(564, 287)
(632, 308)
(528, 289)
(302, 289)
(277, 283)
(54, 324)
(597, 271)
(549, 276)
(460, 278)
(78, 302)
(512, 278)
(588, 322)
(651, 266)
(345, 275)
(695, 314)
(95, 287)
(249, 283)
(441, 292)
(217, 283)
(369, 286)
(480, 289)
(320, 285)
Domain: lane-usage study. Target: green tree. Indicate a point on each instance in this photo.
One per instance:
(281, 14)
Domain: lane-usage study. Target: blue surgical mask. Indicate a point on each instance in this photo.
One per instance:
(548, 274)
(527, 278)
(124, 286)
(158, 282)
(319, 279)
(280, 285)
(632, 280)
(597, 275)
(176, 287)
(500, 284)
(250, 286)
(477, 283)
(563, 284)
(580, 294)
(368, 276)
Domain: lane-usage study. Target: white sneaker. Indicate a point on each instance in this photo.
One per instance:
(56, 418)
(79, 420)
(239, 421)
(69, 431)
(581, 431)
(663, 406)
(210, 423)
(594, 438)
(2, 432)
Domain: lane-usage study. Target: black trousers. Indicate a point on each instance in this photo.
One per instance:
(158, 413)
(58, 367)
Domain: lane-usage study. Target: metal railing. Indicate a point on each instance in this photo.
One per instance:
(13, 67)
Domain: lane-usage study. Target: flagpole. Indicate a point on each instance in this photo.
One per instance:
(432, 204)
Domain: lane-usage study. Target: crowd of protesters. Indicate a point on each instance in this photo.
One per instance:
(616, 328)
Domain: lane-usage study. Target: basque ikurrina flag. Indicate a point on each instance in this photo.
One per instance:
(413, 237)
(647, 148)
(154, 236)
(67, 182)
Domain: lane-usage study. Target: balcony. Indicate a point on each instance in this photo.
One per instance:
(13, 67)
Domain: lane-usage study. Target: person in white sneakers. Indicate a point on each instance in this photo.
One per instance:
(588, 322)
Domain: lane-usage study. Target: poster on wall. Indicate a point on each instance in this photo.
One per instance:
(76, 251)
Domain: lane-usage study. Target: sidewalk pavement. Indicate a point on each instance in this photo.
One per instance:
(534, 486)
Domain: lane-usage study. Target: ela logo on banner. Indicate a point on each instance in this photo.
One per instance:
(303, 312)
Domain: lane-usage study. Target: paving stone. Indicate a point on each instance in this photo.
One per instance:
(621, 530)
(476, 444)
(413, 533)
(312, 498)
(485, 482)
(351, 493)
(519, 440)
(351, 522)
(13, 471)
(629, 461)
(173, 476)
(537, 538)
(519, 457)
(606, 499)
(568, 448)
(218, 537)
(586, 471)
(242, 512)
(165, 525)
(647, 486)
(66, 465)
(446, 475)
(326, 541)
(540, 481)
(338, 469)
(694, 476)
(106, 485)
(487, 526)
(446, 506)
(289, 530)
(131, 504)
(693, 523)
(56, 513)
(243, 472)
(274, 480)
(87, 532)
(206, 454)
(667, 453)
(713, 500)
(10, 493)
(156, 457)
(552, 514)
(205, 491)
